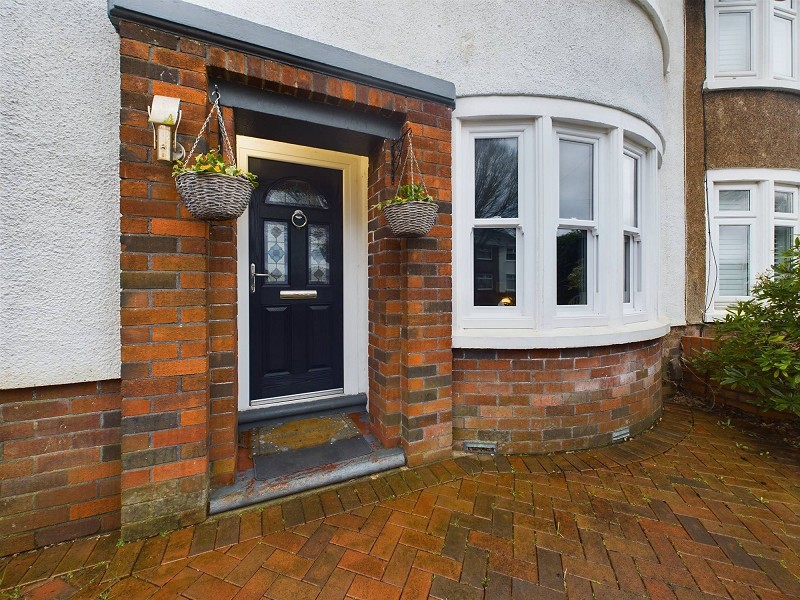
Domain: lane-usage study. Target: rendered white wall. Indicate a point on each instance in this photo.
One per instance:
(604, 51)
(59, 193)
(672, 176)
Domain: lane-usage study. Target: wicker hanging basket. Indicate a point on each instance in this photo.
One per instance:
(415, 216)
(411, 219)
(214, 196)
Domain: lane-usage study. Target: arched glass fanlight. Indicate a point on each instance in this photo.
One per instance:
(295, 192)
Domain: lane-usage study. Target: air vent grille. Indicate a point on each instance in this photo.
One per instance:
(621, 434)
(480, 447)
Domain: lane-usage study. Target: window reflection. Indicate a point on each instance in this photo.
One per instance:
(496, 178)
(495, 267)
(571, 266)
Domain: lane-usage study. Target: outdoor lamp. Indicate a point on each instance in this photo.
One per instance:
(165, 115)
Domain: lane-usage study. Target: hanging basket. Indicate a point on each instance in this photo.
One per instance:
(412, 211)
(411, 219)
(214, 197)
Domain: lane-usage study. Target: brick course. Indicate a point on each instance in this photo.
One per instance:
(59, 463)
(534, 401)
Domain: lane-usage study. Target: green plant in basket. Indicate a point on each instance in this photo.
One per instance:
(212, 163)
(410, 192)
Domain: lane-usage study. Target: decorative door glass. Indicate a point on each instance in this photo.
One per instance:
(295, 192)
(319, 269)
(276, 251)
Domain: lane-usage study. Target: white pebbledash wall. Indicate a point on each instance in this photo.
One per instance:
(59, 234)
(59, 193)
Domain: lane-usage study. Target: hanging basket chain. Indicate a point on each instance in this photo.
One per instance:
(410, 158)
(226, 140)
(214, 196)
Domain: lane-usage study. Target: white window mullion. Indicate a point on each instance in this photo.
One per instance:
(610, 249)
(651, 249)
(544, 212)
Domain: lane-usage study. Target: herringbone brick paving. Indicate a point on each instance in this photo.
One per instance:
(690, 509)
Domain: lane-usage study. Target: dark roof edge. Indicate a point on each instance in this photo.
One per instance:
(190, 20)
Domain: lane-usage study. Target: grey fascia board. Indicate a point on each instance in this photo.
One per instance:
(238, 95)
(186, 19)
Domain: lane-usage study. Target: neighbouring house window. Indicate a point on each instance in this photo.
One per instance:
(752, 43)
(555, 220)
(754, 217)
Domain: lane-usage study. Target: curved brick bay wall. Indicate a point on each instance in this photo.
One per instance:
(536, 401)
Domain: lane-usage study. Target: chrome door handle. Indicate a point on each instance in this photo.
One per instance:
(253, 276)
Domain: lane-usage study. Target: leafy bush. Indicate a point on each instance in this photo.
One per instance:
(758, 343)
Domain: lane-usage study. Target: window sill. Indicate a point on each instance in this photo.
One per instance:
(759, 83)
(567, 337)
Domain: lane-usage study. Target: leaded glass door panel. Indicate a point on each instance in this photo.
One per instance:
(296, 307)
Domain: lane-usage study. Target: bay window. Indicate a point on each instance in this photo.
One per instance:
(555, 218)
(752, 43)
(753, 218)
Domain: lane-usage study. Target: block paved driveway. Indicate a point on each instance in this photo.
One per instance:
(690, 509)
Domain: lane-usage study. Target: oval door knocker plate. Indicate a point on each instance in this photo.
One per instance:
(299, 219)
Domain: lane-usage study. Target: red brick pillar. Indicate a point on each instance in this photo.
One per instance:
(164, 304)
(385, 308)
(411, 303)
(222, 305)
(427, 355)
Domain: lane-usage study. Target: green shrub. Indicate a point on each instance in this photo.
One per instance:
(758, 344)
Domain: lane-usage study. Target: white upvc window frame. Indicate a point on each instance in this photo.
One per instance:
(537, 321)
(762, 72)
(635, 308)
(581, 314)
(761, 218)
(523, 313)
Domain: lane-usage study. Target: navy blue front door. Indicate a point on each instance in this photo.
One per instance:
(296, 280)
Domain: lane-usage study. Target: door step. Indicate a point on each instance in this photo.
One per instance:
(288, 466)
(247, 491)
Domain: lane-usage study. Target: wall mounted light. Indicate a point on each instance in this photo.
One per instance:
(165, 115)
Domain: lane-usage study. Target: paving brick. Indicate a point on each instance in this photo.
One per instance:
(291, 565)
(364, 564)
(364, 588)
(210, 588)
(336, 585)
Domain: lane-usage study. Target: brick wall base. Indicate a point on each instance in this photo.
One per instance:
(535, 401)
(59, 463)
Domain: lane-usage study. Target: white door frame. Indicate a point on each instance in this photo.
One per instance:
(354, 170)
